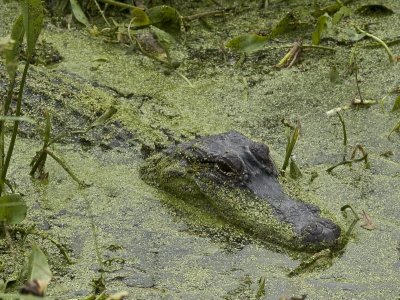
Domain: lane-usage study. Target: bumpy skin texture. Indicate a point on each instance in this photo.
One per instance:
(233, 161)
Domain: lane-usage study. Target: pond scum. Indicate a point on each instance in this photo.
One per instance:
(156, 31)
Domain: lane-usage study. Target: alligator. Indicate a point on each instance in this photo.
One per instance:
(236, 178)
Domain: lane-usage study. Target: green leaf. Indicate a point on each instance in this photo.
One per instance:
(396, 105)
(247, 43)
(11, 55)
(322, 24)
(32, 11)
(12, 209)
(104, 117)
(166, 18)
(36, 267)
(330, 9)
(294, 170)
(79, 14)
(139, 17)
(344, 11)
(286, 24)
(163, 38)
(352, 35)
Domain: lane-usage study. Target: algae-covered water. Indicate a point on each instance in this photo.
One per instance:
(151, 244)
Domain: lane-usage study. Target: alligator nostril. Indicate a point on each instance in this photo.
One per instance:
(313, 229)
(321, 231)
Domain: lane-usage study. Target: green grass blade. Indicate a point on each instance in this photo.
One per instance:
(11, 56)
(78, 13)
(32, 11)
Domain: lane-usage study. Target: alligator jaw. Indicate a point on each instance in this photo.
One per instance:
(310, 229)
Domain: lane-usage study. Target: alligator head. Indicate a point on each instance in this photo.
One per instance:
(237, 178)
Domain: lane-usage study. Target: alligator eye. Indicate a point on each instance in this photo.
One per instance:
(261, 153)
(229, 164)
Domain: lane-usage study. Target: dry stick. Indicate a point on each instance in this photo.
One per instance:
(344, 128)
(344, 134)
(356, 74)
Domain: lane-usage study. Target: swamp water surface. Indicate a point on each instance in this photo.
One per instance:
(153, 246)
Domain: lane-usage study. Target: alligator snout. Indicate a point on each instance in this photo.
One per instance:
(320, 232)
(238, 179)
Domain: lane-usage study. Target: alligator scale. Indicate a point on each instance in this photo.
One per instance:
(236, 178)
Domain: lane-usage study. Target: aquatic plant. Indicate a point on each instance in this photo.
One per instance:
(29, 25)
(38, 162)
(292, 137)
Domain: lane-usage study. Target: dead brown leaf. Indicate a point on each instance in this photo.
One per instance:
(367, 222)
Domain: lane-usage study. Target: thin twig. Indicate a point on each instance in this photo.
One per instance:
(356, 75)
(66, 168)
(390, 54)
(347, 162)
(343, 128)
(102, 13)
